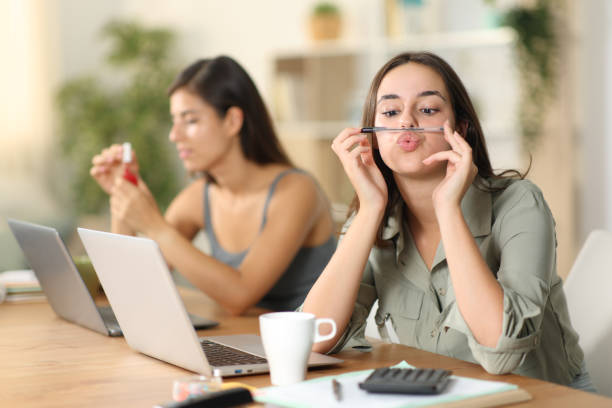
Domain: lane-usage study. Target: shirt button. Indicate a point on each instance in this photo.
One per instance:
(441, 291)
(433, 333)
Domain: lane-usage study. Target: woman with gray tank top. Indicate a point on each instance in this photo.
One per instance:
(268, 223)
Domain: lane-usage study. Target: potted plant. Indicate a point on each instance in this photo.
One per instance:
(537, 50)
(133, 106)
(325, 22)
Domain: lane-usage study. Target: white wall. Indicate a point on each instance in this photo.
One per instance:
(250, 31)
(594, 113)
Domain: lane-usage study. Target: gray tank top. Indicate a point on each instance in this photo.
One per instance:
(291, 289)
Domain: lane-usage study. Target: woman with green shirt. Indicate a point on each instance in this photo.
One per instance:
(462, 260)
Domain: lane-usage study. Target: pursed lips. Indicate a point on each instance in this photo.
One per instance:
(184, 153)
(408, 141)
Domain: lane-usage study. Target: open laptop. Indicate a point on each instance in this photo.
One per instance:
(63, 285)
(137, 282)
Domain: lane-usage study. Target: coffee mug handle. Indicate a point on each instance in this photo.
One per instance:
(319, 337)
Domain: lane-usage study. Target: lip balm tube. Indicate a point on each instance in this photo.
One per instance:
(126, 159)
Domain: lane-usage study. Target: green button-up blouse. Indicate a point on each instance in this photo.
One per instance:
(515, 232)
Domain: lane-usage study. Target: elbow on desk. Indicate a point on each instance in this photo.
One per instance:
(238, 305)
(495, 369)
(323, 347)
(502, 364)
(236, 309)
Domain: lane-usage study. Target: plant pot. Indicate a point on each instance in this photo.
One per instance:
(325, 27)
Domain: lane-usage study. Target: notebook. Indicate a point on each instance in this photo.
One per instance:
(61, 282)
(137, 282)
(319, 392)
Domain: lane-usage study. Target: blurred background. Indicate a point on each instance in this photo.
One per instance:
(77, 76)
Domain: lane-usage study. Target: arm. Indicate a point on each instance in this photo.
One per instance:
(334, 293)
(501, 314)
(296, 198)
(524, 234)
(478, 294)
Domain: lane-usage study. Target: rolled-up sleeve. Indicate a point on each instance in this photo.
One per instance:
(525, 232)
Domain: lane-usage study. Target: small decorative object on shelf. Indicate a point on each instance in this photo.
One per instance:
(325, 22)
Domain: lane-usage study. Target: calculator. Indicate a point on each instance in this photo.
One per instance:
(406, 381)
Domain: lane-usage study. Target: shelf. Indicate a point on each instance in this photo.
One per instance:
(460, 39)
(469, 39)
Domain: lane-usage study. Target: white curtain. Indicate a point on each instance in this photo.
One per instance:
(27, 83)
(26, 80)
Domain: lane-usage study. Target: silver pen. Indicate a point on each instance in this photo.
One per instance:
(410, 129)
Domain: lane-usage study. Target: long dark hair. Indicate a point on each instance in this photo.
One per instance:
(222, 83)
(465, 115)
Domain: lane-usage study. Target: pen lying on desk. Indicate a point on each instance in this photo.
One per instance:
(337, 388)
(411, 129)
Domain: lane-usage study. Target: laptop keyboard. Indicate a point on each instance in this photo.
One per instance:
(219, 355)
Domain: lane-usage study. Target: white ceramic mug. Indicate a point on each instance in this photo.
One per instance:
(287, 339)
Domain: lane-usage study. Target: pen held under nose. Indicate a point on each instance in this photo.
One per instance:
(411, 129)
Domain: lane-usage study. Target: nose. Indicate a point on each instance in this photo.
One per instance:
(175, 133)
(407, 120)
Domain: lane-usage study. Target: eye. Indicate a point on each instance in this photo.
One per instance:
(429, 111)
(390, 113)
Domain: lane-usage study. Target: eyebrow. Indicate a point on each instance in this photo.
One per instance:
(420, 95)
(187, 112)
(184, 113)
(429, 93)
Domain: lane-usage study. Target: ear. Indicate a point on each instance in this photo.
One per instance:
(234, 117)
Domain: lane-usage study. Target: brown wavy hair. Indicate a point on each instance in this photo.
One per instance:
(465, 114)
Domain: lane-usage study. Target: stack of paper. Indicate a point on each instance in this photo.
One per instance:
(21, 285)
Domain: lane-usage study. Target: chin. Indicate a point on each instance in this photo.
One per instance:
(190, 167)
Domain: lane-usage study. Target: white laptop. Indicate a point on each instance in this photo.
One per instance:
(139, 287)
(63, 285)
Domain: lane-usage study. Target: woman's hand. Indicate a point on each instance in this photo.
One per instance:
(135, 207)
(355, 153)
(460, 171)
(107, 166)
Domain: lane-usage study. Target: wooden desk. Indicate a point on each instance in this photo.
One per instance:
(48, 362)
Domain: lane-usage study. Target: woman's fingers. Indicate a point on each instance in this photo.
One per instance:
(342, 136)
(450, 135)
(346, 140)
(351, 143)
(447, 155)
(462, 145)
